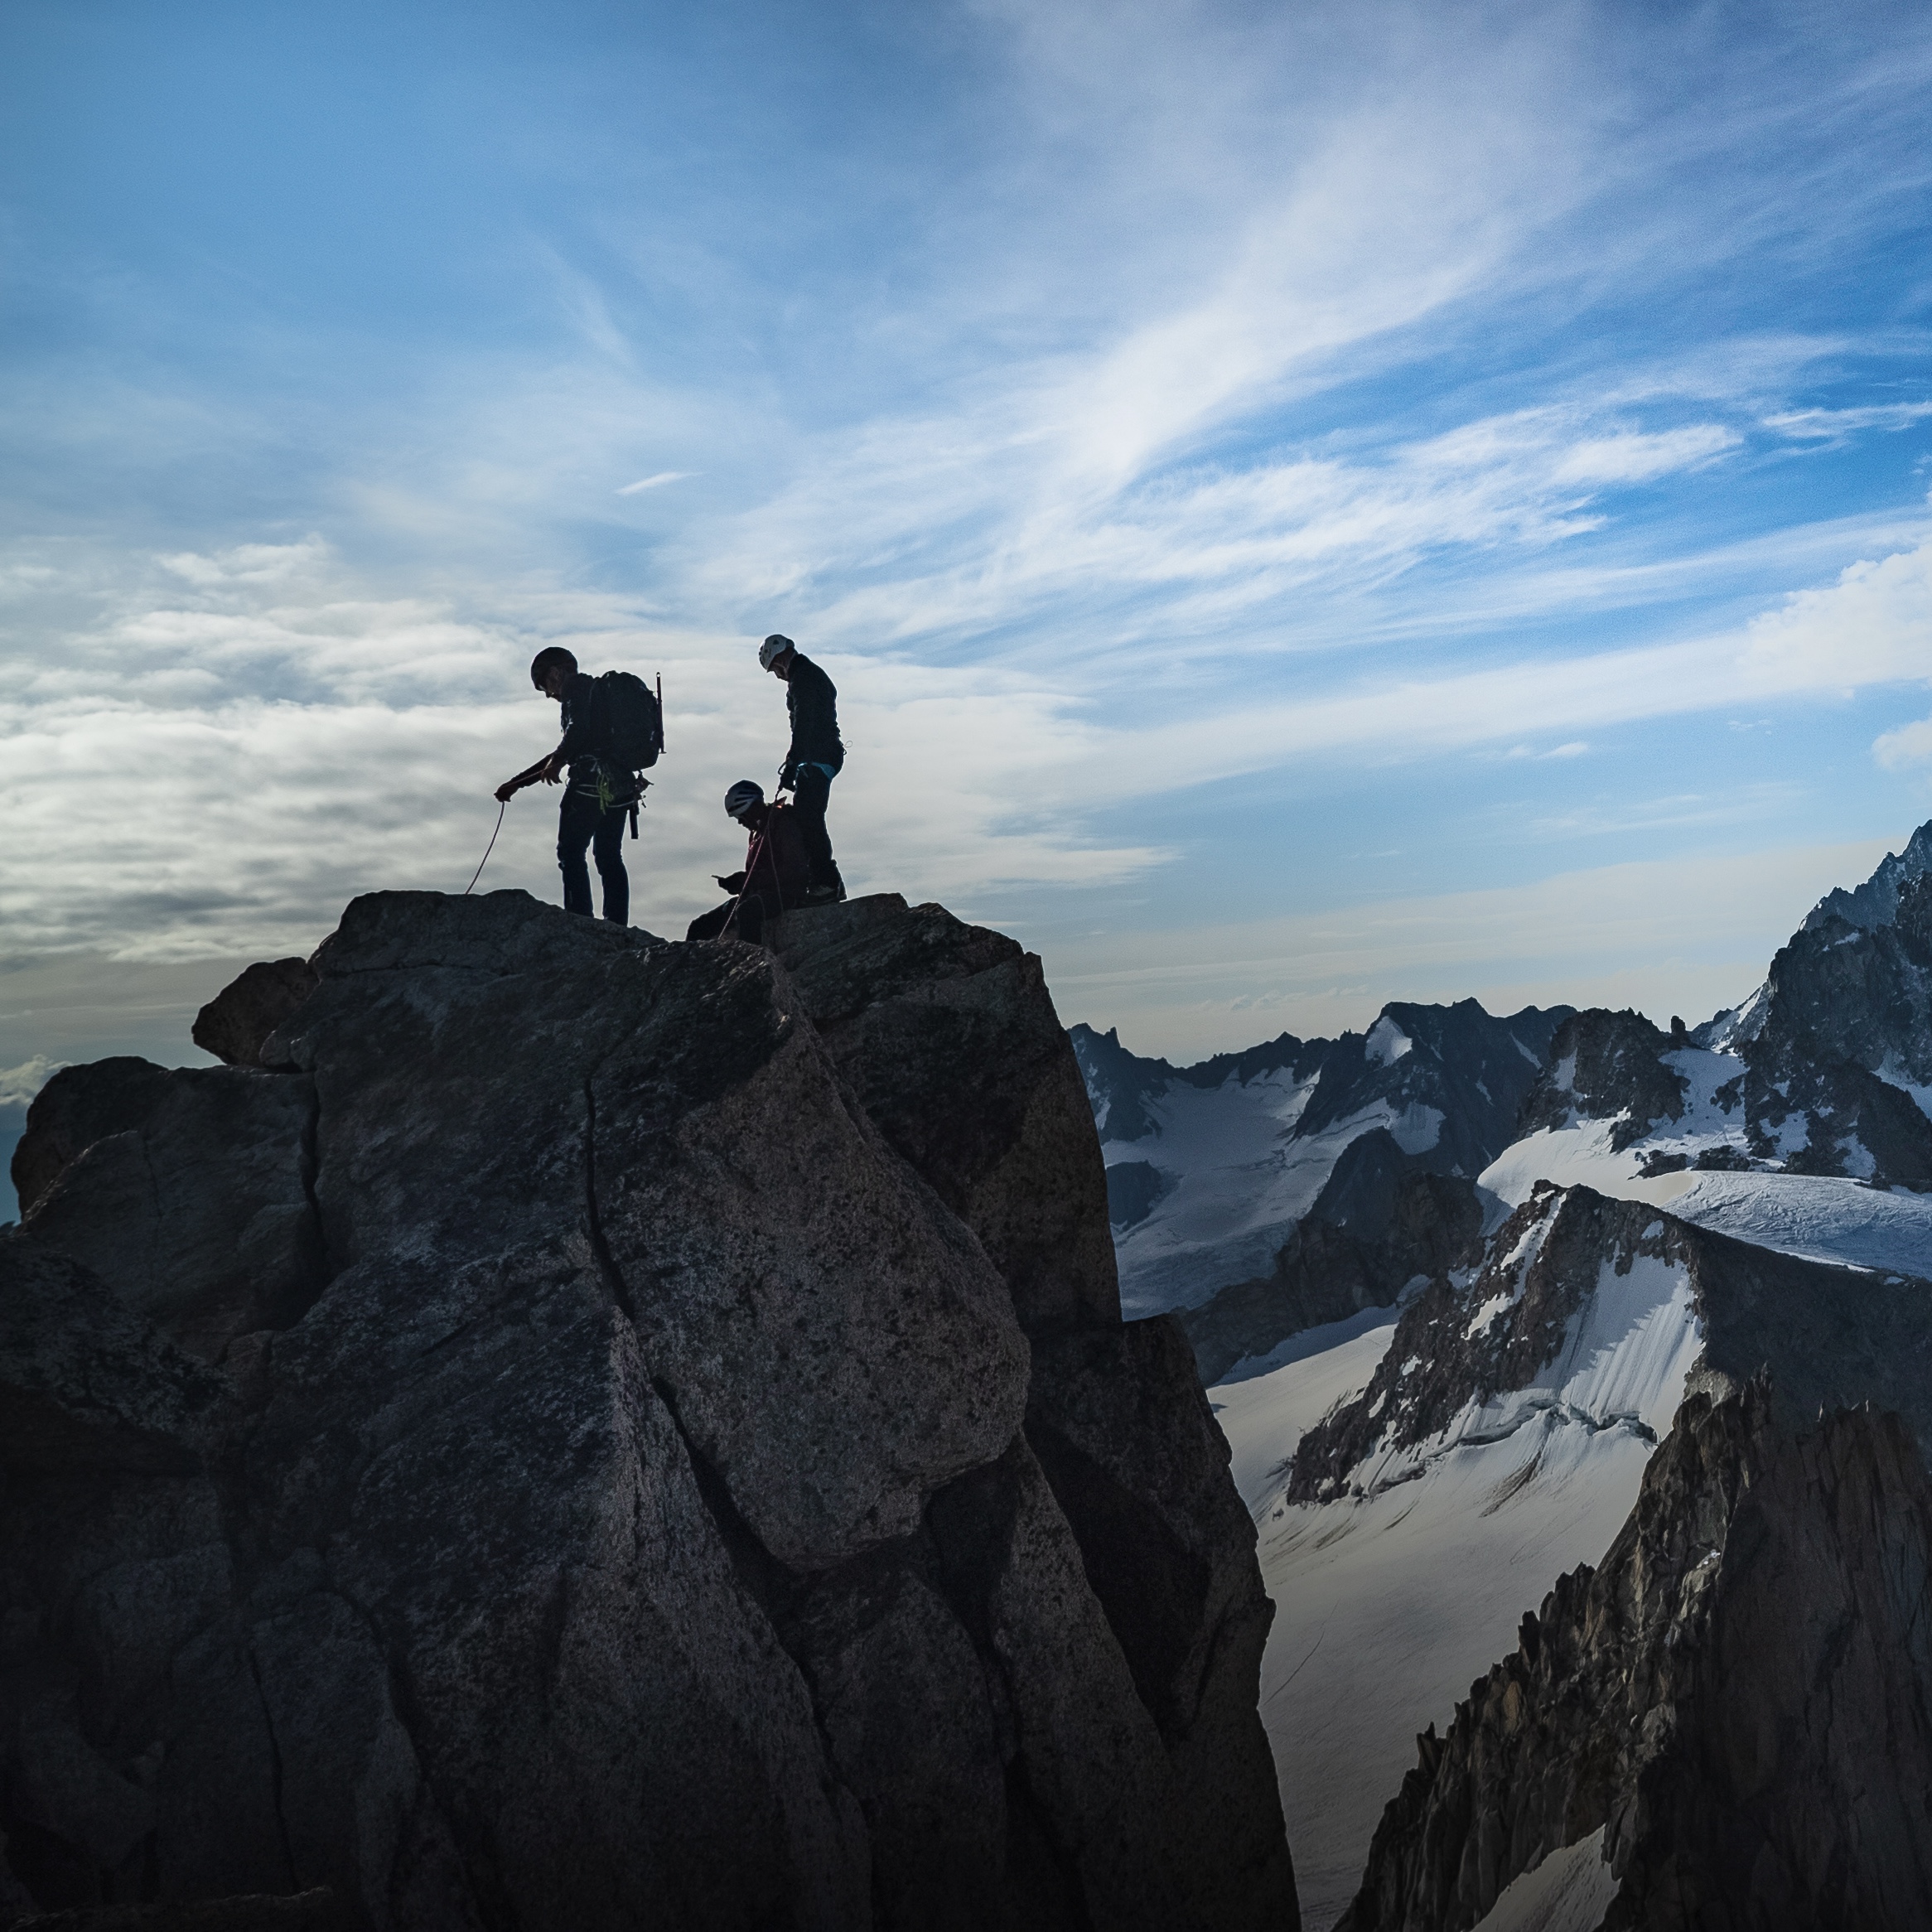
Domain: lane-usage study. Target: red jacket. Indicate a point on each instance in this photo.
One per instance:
(783, 871)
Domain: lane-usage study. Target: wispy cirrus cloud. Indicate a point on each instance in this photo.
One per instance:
(656, 482)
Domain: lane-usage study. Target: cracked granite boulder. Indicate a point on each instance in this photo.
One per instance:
(570, 1430)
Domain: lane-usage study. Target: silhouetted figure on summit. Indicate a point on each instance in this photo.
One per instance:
(777, 873)
(816, 757)
(613, 727)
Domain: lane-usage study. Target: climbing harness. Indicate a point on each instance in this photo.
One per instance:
(502, 806)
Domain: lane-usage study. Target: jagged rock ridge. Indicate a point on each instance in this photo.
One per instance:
(1774, 1567)
(661, 1447)
(1735, 1698)
(1875, 903)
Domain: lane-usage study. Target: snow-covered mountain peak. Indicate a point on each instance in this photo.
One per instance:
(1875, 903)
(1386, 1043)
(1211, 1167)
(1582, 1316)
(1607, 1066)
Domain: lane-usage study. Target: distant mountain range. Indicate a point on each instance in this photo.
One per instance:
(1465, 1288)
(1211, 1167)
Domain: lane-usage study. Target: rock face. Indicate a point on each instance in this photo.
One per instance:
(234, 1024)
(1718, 1694)
(575, 1431)
(310, 1911)
(1606, 1066)
(1842, 1028)
(1875, 903)
(1381, 1224)
(1737, 1697)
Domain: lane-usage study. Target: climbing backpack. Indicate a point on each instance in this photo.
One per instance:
(634, 721)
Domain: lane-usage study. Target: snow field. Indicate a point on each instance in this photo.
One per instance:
(1570, 1892)
(1390, 1606)
(1816, 1216)
(1238, 1180)
(1264, 1416)
(1392, 1599)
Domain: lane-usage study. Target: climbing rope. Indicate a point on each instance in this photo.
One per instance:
(503, 806)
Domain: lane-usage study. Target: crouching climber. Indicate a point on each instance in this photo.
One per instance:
(777, 868)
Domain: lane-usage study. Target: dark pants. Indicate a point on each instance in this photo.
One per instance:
(581, 821)
(749, 925)
(809, 796)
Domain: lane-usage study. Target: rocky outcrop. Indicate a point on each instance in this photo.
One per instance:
(1606, 1066)
(1382, 1224)
(1718, 1697)
(190, 1190)
(1709, 1696)
(1845, 1014)
(235, 1023)
(948, 1035)
(667, 1452)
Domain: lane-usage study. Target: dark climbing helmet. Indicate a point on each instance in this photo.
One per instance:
(742, 796)
(552, 657)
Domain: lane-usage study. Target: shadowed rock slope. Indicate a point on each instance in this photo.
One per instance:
(1736, 1696)
(570, 1430)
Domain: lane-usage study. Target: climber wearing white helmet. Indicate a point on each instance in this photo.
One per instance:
(816, 757)
(776, 873)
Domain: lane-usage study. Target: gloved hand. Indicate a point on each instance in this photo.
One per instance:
(731, 881)
(788, 776)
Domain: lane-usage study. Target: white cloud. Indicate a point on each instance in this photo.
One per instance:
(1634, 456)
(1837, 425)
(219, 778)
(220, 773)
(656, 482)
(1871, 626)
(248, 563)
(1909, 744)
(18, 1084)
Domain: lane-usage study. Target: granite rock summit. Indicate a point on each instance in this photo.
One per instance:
(569, 1430)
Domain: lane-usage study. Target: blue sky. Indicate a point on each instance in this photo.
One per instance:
(1304, 506)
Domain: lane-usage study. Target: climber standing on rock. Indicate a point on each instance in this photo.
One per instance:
(816, 757)
(613, 728)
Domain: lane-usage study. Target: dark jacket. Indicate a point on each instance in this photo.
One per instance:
(812, 698)
(585, 728)
(784, 870)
